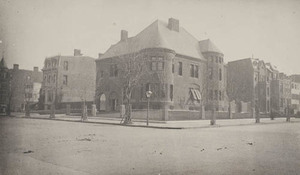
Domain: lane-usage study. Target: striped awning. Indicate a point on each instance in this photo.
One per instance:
(195, 93)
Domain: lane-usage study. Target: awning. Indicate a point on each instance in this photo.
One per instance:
(196, 94)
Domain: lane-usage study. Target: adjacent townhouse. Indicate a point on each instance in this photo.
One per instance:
(68, 80)
(25, 88)
(281, 94)
(5, 80)
(295, 90)
(249, 81)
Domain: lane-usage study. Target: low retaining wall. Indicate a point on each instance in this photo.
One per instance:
(136, 114)
(184, 115)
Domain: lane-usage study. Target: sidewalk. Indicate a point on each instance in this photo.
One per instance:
(187, 124)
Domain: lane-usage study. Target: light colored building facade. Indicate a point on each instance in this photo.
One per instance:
(176, 73)
(295, 90)
(68, 80)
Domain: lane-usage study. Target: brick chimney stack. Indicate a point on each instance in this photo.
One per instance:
(173, 24)
(77, 52)
(16, 67)
(124, 35)
(99, 55)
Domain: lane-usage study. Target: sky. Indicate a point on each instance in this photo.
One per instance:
(32, 30)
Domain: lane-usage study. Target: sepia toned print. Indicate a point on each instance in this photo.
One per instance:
(149, 87)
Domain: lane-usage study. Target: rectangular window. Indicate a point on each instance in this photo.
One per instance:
(171, 92)
(173, 68)
(54, 78)
(157, 63)
(65, 80)
(220, 95)
(268, 91)
(153, 65)
(216, 95)
(49, 79)
(160, 65)
(113, 70)
(210, 73)
(220, 74)
(148, 87)
(211, 94)
(66, 65)
(192, 70)
(50, 96)
(196, 71)
(180, 68)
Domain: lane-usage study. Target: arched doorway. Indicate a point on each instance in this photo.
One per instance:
(102, 104)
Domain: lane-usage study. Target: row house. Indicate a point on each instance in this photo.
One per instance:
(182, 72)
(25, 88)
(249, 81)
(5, 80)
(295, 90)
(259, 84)
(68, 80)
(281, 93)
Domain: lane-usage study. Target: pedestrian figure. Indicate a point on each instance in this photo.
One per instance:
(257, 118)
(288, 118)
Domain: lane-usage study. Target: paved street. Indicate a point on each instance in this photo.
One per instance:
(34, 146)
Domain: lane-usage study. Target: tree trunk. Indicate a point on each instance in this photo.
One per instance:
(213, 117)
(27, 110)
(128, 114)
(52, 113)
(84, 112)
(202, 112)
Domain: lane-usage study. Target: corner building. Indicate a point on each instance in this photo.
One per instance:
(178, 70)
(68, 80)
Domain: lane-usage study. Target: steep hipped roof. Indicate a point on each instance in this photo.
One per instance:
(3, 64)
(208, 46)
(158, 35)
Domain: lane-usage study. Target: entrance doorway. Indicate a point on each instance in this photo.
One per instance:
(113, 104)
(102, 103)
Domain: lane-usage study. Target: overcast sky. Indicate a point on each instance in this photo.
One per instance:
(34, 29)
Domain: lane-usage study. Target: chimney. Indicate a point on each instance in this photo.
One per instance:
(99, 55)
(173, 24)
(124, 35)
(35, 69)
(16, 67)
(77, 52)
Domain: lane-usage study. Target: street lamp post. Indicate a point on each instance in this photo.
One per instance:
(148, 95)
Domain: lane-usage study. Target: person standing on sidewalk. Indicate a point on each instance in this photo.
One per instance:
(257, 118)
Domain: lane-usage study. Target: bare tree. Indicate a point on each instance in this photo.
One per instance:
(132, 69)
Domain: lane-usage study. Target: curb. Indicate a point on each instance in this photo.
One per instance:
(159, 127)
(104, 123)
